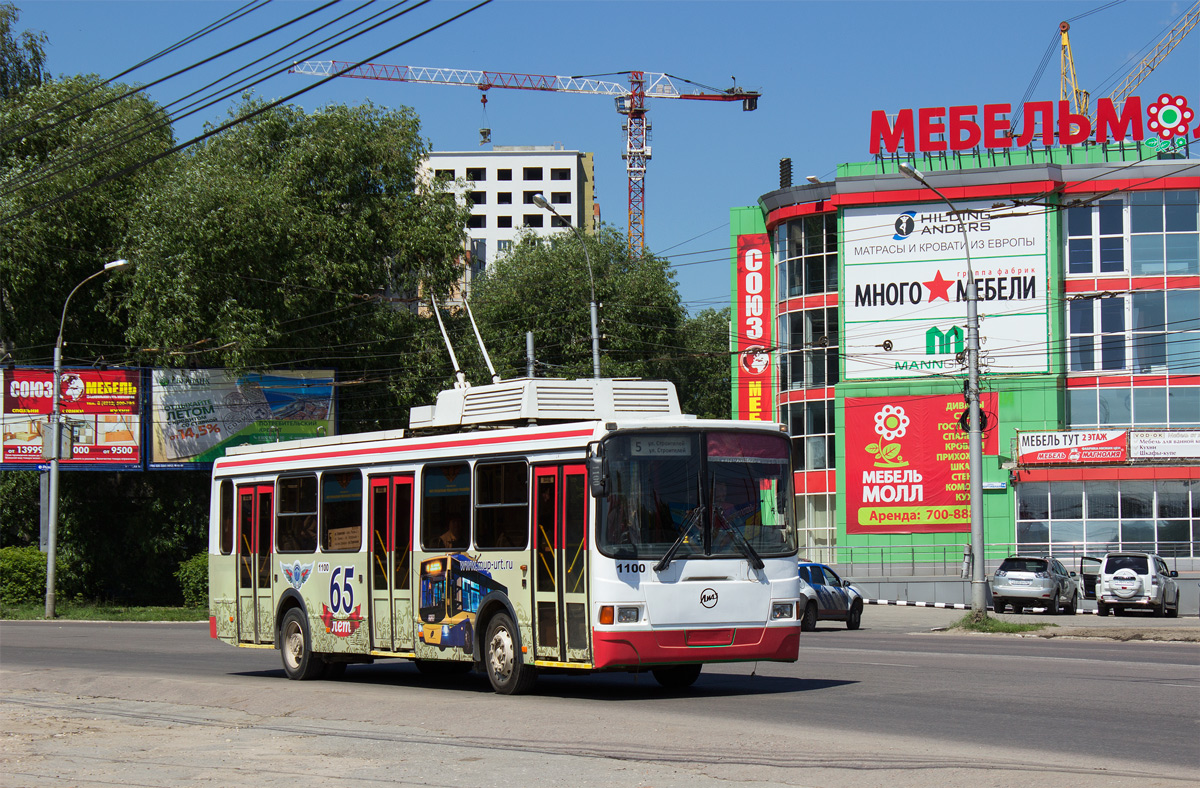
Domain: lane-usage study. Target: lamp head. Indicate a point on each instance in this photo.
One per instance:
(540, 201)
(812, 179)
(910, 171)
(115, 264)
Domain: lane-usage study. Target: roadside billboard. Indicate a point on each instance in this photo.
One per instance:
(908, 463)
(905, 301)
(102, 408)
(197, 414)
(1072, 447)
(753, 330)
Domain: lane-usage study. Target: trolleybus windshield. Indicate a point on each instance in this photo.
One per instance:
(681, 494)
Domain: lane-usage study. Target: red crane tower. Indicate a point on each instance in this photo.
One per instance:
(630, 100)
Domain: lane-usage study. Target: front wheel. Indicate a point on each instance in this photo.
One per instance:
(506, 671)
(1072, 604)
(677, 676)
(854, 620)
(1174, 612)
(1101, 609)
(809, 621)
(299, 662)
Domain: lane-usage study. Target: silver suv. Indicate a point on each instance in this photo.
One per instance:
(1034, 581)
(1131, 581)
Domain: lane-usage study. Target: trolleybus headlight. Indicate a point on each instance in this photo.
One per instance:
(606, 614)
(782, 610)
(628, 615)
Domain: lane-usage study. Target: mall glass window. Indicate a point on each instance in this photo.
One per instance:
(806, 249)
(1070, 519)
(816, 515)
(1141, 233)
(1141, 406)
(1142, 332)
(811, 426)
(810, 349)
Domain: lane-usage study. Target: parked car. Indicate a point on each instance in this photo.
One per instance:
(1034, 581)
(1089, 573)
(827, 597)
(1131, 580)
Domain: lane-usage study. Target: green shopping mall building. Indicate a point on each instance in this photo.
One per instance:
(849, 327)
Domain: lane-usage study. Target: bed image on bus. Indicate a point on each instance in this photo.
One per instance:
(528, 526)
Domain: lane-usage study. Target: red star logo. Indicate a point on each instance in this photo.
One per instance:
(938, 287)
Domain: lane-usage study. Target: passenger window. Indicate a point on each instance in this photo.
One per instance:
(226, 515)
(502, 505)
(296, 522)
(446, 507)
(341, 511)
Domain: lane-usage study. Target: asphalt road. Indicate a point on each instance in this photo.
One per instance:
(162, 705)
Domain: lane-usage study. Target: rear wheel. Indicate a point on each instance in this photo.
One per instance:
(1160, 610)
(809, 622)
(1018, 608)
(854, 620)
(506, 671)
(299, 662)
(1072, 604)
(677, 676)
(1052, 609)
(998, 606)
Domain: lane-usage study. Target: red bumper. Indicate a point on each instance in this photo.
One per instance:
(639, 649)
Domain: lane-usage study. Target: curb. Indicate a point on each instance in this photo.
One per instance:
(943, 605)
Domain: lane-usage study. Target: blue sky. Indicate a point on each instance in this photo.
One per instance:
(822, 67)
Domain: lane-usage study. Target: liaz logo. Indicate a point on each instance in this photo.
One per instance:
(905, 224)
(708, 598)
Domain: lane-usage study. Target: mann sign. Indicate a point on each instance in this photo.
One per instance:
(905, 301)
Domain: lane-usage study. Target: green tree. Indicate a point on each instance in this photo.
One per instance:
(542, 286)
(53, 143)
(22, 58)
(703, 372)
(301, 240)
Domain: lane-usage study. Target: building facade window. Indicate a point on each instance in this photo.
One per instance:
(533, 220)
(531, 173)
(504, 221)
(560, 173)
(806, 251)
(1142, 233)
(478, 198)
(504, 198)
(560, 198)
(811, 426)
(816, 518)
(444, 174)
(504, 175)
(476, 174)
(1091, 518)
(477, 220)
(809, 340)
(1141, 406)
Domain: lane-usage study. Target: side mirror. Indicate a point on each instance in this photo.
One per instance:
(1174, 573)
(1073, 575)
(846, 584)
(597, 478)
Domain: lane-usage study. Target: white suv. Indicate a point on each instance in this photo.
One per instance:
(1131, 581)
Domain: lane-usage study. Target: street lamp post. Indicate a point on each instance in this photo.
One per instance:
(56, 442)
(540, 201)
(974, 431)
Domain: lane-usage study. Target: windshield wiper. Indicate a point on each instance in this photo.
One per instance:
(688, 523)
(747, 550)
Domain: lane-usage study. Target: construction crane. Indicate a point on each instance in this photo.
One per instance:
(1068, 86)
(630, 101)
(1080, 99)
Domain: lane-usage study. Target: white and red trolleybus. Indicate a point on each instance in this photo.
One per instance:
(525, 526)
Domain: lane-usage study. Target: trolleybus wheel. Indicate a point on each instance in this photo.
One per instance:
(299, 662)
(508, 674)
(677, 676)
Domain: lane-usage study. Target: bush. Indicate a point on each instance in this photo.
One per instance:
(22, 575)
(193, 580)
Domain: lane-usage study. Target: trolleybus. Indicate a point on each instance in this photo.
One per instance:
(527, 526)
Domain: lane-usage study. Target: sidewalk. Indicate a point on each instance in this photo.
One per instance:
(891, 618)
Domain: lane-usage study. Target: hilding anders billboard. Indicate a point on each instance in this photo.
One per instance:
(905, 298)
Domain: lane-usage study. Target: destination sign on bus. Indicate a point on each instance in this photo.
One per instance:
(660, 446)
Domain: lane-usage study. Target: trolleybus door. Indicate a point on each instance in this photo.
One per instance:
(560, 558)
(392, 620)
(254, 515)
